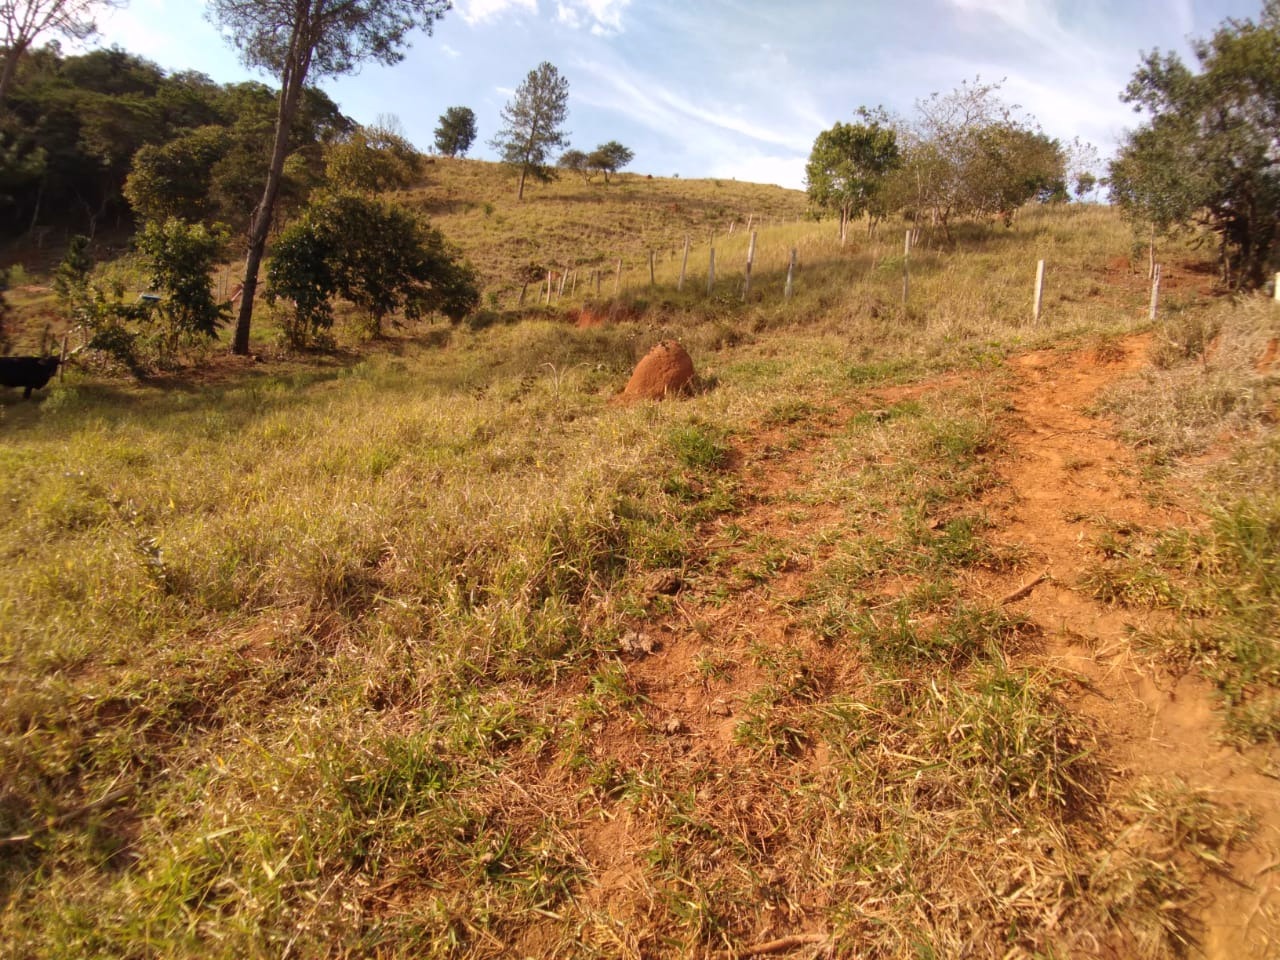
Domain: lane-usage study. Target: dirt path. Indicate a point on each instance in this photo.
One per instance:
(1067, 469)
(1064, 478)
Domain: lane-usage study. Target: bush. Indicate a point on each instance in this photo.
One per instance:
(376, 254)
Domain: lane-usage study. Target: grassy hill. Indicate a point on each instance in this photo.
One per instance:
(573, 224)
(430, 647)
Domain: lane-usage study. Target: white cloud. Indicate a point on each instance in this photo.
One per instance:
(481, 11)
(1034, 20)
(451, 52)
(602, 17)
(785, 171)
(665, 110)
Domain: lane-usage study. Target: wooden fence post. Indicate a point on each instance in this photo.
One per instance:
(1277, 288)
(524, 288)
(684, 264)
(617, 278)
(652, 281)
(564, 278)
(573, 287)
(906, 268)
(791, 272)
(1039, 298)
(751, 256)
(548, 300)
(711, 272)
(1155, 292)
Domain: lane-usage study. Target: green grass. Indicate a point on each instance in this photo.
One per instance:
(339, 636)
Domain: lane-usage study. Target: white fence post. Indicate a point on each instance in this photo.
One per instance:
(906, 269)
(1039, 300)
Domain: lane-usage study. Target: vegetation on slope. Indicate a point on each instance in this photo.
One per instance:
(338, 656)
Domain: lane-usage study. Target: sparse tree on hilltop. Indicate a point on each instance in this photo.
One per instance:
(532, 124)
(456, 132)
(295, 39)
(609, 158)
(577, 162)
(25, 20)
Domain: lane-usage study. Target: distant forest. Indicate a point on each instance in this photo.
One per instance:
(74, 124)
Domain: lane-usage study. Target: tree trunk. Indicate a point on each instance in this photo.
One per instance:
(35, 214)
(520, 190)
(294, 76)
(10, 68)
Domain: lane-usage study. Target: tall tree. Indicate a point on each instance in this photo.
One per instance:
(456, 132)
(532, 124)
(610, 158)
(24, 20)
(848, 164)
(1209, 156)
(295, 39)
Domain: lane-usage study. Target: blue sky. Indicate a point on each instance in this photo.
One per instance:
(732, 88)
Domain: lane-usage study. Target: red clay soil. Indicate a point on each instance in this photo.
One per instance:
(664, 371)
(1062, 467)
(1067, 467)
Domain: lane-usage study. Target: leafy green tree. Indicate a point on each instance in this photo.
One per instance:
(180, 257)
(377, 255)
(456, 131)
(301, 270)
(371, 160)
(22, 21)
(972, 155)
(174, 179)
(575, 161)
(299, 38)
(532, 124)
(609, 158)
(71, 278)
(1208, 156)
(848, 165)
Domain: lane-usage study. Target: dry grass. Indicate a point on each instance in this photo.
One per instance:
(348, 632)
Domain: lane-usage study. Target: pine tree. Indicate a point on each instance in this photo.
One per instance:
(532, 124)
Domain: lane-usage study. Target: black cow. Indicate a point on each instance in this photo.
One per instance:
(30, 373)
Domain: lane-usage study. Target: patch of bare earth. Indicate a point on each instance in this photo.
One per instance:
(1063, 473)
(1066, 474)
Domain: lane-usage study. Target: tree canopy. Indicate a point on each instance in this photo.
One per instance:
(609, 158)
(532, 124)
(377, 255)
(848, 164)
(24, 20)
(456, 131)
(1208, 155)
(373, 159)
(295, 39)
(77, 127)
